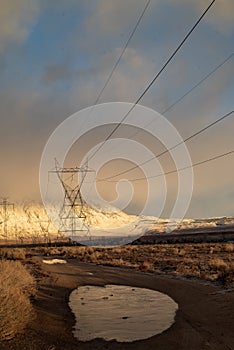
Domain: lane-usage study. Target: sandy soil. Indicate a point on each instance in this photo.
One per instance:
(205, 319)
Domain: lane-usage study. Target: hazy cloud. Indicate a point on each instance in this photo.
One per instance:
(111, 17)
(56, 72)
(221, 15)
(16, 20)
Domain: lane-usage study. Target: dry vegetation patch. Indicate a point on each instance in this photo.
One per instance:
(16, 287)
(13, 253)
(211, 261)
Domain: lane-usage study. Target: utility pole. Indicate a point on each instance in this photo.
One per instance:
(72, 210)
(5, 205)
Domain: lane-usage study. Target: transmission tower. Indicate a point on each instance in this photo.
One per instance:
(72, 214)
(5, 205)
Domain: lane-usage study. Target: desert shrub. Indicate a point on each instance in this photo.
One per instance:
(13, 253)
(175, 250)
(226, 276)
(182, 252)
(115, 262)
(90, 250)
(16, 287)
(211, 250)
(117, 250)
(146, 266)
(218, 264)
(229, 247)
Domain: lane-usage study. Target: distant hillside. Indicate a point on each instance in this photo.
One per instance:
(30, 221)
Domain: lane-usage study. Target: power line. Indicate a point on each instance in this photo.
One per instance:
(192, 88)
(186, 94)
(118, 60)
(198, 84)
(155, 78)
(171, 148)
(122, 53)
(181, 169)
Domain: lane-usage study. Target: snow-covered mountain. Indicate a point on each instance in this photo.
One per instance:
(107, 218)
(26, 221)
(163, 225)
(31, 221)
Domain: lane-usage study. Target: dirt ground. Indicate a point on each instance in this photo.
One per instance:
(205, 318)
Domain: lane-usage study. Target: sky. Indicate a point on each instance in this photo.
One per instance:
(56, 56)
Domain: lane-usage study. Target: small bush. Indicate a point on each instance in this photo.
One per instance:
(226, 276)
(229, 247)
(16, 286)
(13, 253)
(218, 264)
(146, 266)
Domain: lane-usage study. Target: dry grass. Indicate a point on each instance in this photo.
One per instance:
(16, 286)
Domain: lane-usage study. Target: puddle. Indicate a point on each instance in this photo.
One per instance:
(120, 312)
(54, 261)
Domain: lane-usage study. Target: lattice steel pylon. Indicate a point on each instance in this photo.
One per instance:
(72, 215)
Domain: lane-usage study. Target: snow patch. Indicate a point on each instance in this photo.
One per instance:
(54, 261)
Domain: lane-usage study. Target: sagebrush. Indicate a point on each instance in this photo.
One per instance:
(16, 286)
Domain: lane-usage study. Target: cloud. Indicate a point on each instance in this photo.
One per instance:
(225, 16)
(56, 72)
(128, 80)
(115, 17)
(111, 17)
(16, 20)
(221, 14)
